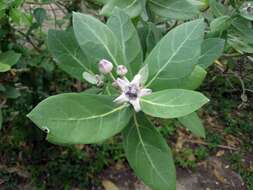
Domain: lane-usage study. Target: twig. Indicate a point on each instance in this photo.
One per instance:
(241, 81)
(20, 70)
(60, 7)
(30, 41)
(237, 54)
(249, 90)
(52, 9)
(208, 144)
(3, 102)
(35, 3)
(171, 27)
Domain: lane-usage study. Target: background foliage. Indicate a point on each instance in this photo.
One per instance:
(29, 74)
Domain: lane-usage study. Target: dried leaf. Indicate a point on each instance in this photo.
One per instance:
(108, 185)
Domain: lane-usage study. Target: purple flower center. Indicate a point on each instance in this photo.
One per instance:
(132, 92)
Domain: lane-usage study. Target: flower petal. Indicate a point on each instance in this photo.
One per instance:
(123, 84)
(121, 99)
(136, 104)
(136, 80)
(145, 92)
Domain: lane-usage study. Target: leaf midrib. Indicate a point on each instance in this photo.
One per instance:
(145, 151)
(131, 4)
(164, 105)
(101, 41)
(209, 50)
(93, 117)
(74, 57)
(168, 8)
(173, 55)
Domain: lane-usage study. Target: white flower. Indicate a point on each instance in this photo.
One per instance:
(131, 91)
(105, 66)
(121, 70)
(248, 7)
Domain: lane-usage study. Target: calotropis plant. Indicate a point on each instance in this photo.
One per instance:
(130, 90)
(168, 9)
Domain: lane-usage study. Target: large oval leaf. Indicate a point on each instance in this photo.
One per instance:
(67, 53)
(217, 8)
(149, 155)
(193, 81)
(240, 44)
(96, 39)
(172, 103)
(220, 24)
(175, 55)
(211, 49)
(194, 124)
(174, 9)
(123, 28)
(9, 58)
(243, 29)
(132, 7)
(150, 35)
(80, 118)
(4, 67)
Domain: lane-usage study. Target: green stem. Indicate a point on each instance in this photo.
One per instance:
(108, 91)
(111, 75)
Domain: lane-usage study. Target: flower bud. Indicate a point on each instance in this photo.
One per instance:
(122, 70)
(105, 66)
(99, 80)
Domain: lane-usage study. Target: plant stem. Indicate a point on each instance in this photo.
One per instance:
(111, 75)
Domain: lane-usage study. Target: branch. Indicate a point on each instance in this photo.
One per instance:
(208, 144)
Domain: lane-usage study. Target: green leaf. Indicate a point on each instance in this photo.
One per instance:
(243, 28)
(193, 81)
(40, 15)
(212, 49)
(80, 118)
(194, 124)
(4, 67)
(1, 118)
(19, 17)
(246, 10)
(239, 44)
(173, 9)
(9, 58)
(200, 4)
(217, 8)
(149, 155)
(11, 92)
(2, 88)
(96, 39)
(172, 103)
(220, 24)
(150, 35)
(144, 74)
(90, 78)
(123, 28)
(102, 1)
(132, 7)
(175, 56)
(67, 53)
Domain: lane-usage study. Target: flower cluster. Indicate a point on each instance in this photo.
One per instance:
(131, 92)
